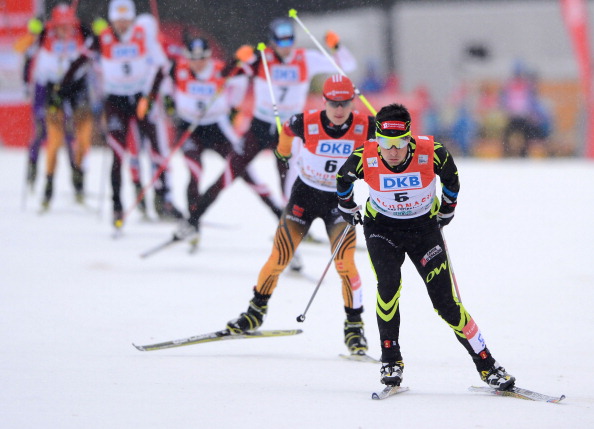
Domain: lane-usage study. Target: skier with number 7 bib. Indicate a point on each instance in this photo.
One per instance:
(291, 71)
(403, 216)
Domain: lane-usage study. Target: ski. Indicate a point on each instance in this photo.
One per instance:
(359, 358)
(164, 245)
(389, 391)
(216, 336)
(194, 245)
(518, 392)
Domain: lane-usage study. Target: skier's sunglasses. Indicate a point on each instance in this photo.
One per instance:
(390, 142)
(337, 104)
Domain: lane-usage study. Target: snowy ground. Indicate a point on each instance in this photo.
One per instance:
(72, 300)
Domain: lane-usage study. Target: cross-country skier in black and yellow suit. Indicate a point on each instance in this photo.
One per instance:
(403, 216)
(329, 136)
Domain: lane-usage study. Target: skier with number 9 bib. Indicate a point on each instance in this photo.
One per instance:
(403, 216)
(205, 99)
(133, 66)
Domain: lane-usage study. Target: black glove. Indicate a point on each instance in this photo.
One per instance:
(349, 210)
(283, 160)
(446, 211)
(443, 219)
(169, 104)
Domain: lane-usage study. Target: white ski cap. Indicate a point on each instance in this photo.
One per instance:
(121, 9)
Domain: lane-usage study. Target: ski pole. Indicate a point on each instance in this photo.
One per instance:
(293, 14)
(102, 181)
(301, 317)
(261, 48)
(451, 266)
(25, 185)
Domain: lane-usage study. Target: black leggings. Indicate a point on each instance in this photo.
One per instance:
(424, 245)
(260, 136)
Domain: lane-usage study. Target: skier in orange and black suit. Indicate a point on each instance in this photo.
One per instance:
(329, 136)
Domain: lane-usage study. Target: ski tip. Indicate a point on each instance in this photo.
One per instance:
(520, 393)
(141, 348)
(389, 391)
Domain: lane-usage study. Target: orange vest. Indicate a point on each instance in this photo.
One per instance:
(408, 194)
(322, 155)
(112, 48)
(124, 64)
(58, 46)
(289, 73)
(56, 55)
(185, 79)
(200, 99)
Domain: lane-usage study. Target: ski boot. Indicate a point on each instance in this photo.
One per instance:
(141, 200)
(165, 209)
(78, 182)
(47, 194)
(354, 336)
(31, 174)
(190, 231)
(186, 231)
(391, 373)
(118, 214)
(253, 318)
(118, 218)
(497, 377)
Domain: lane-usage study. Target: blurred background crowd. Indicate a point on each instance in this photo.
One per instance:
(489, 78)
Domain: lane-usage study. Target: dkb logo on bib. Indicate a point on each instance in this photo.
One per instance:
(392, 182)
(335, 148)
(284, 74)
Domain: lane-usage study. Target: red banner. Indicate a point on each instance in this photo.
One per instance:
(575, 14)
(14, 16)
(16, 127)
